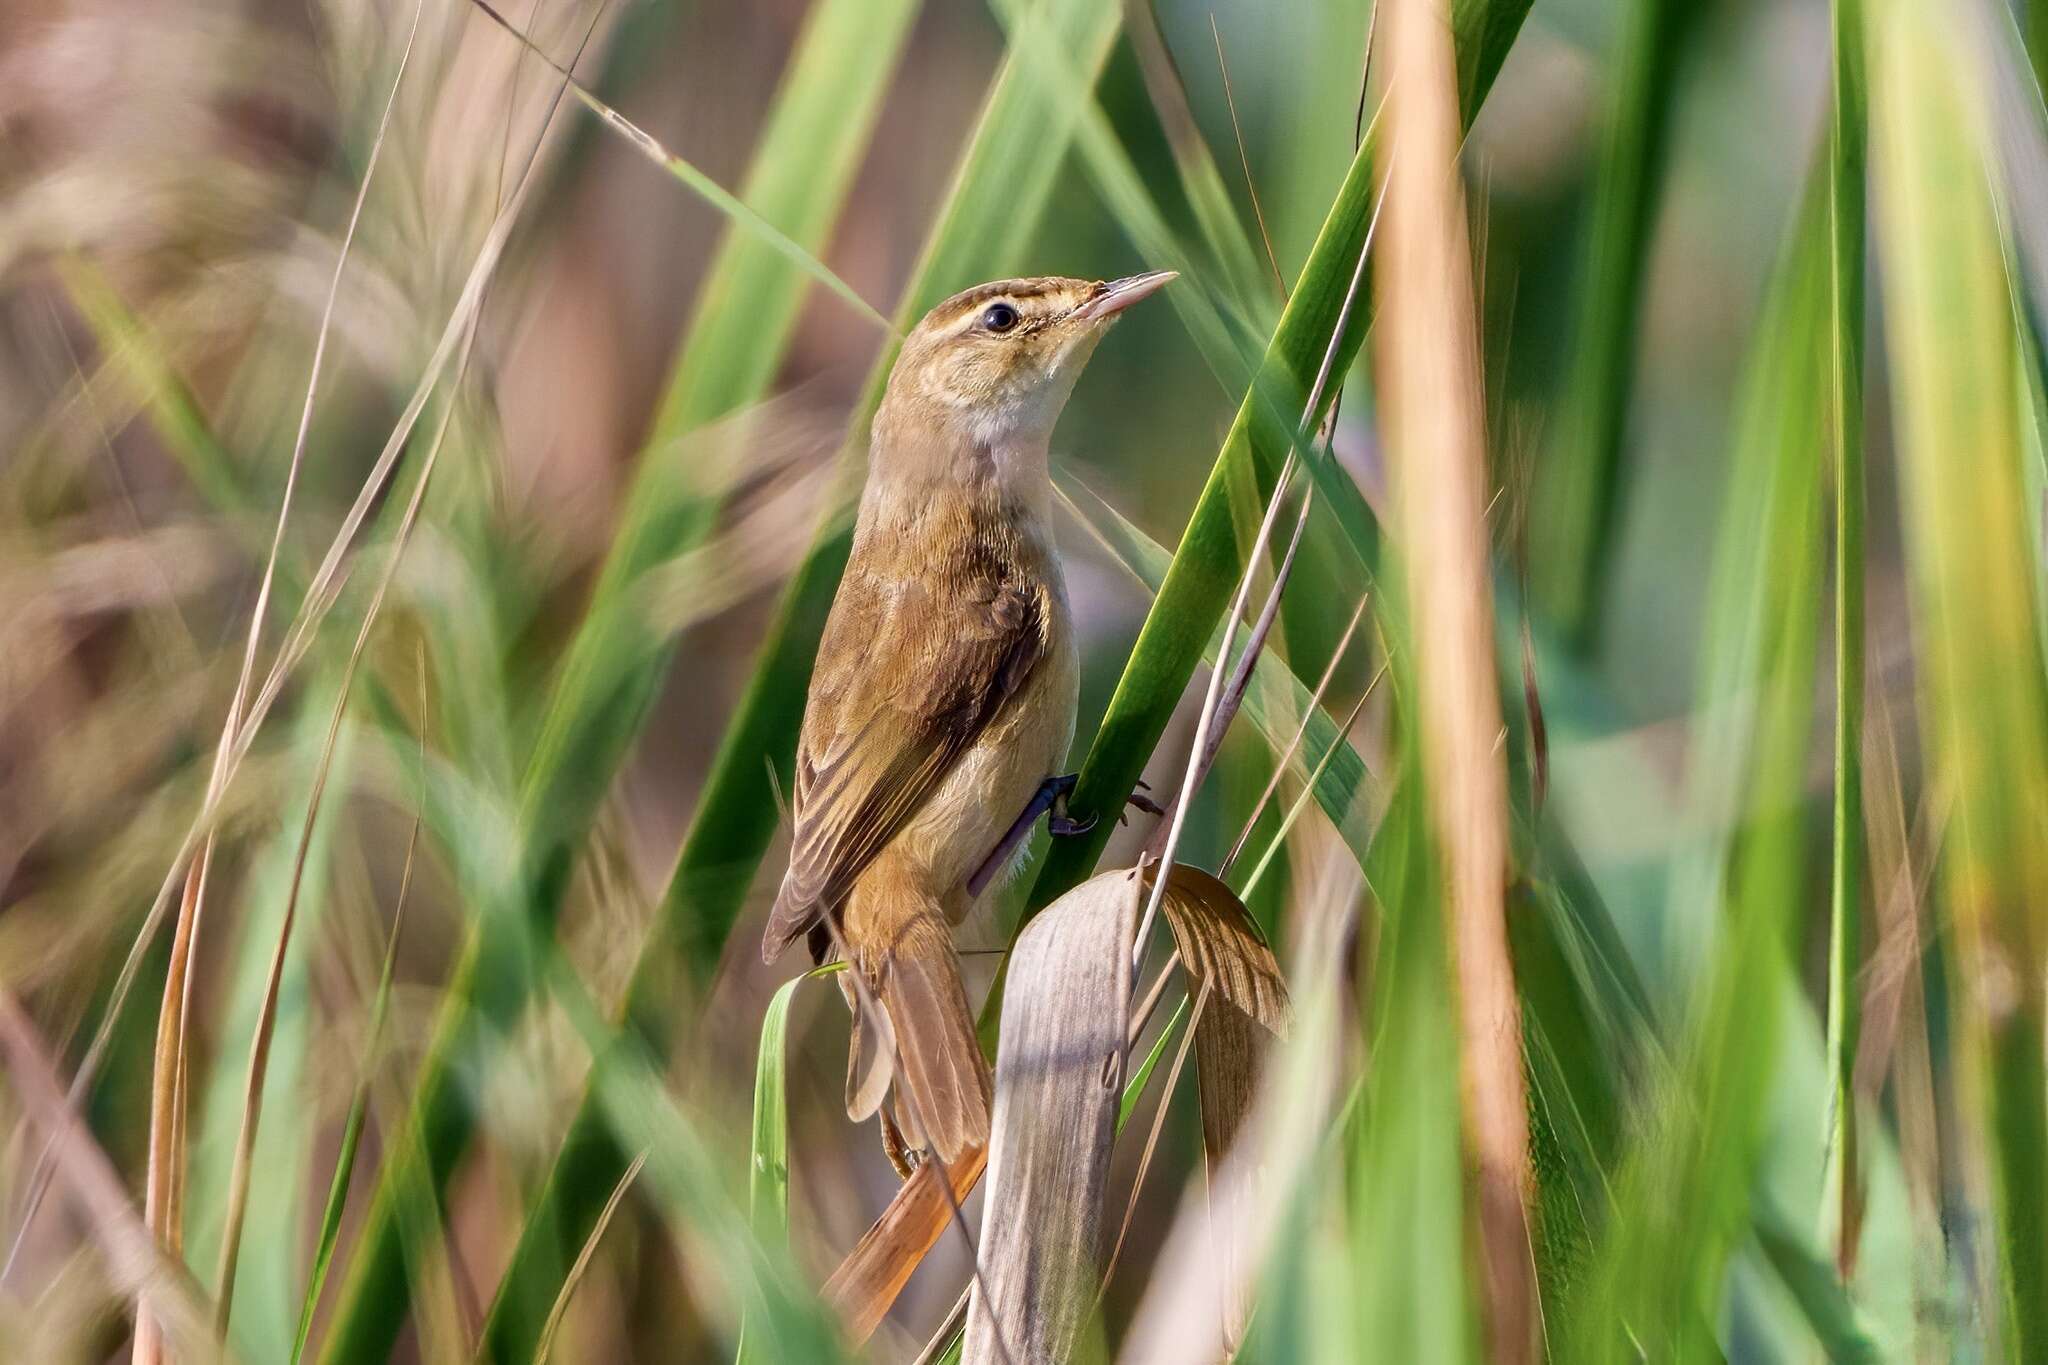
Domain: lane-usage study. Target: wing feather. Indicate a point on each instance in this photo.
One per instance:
(875, 744)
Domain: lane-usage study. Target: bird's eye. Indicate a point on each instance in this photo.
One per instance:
(1000, 317)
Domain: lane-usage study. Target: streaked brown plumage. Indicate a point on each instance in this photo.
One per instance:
(945, 686)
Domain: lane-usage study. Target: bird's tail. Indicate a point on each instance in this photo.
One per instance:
(924, 1043)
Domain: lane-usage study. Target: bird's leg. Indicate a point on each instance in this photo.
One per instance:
(1049, 791)
(1050, 800)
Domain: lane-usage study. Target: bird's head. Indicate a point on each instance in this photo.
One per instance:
(994, 364)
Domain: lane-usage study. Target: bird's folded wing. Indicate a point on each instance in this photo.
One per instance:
(914, 679)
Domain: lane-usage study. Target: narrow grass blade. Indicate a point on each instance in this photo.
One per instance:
(545, 1351)
(1201, 181)
(768, 1162)
(1973, 565)
(1277, 702)
(358, 1111)
(259, 1050)
(1846, 177)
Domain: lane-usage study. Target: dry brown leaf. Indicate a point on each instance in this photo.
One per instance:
(1220, 944)
(1059, 1079)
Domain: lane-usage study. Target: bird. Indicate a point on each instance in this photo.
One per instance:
(942, 700)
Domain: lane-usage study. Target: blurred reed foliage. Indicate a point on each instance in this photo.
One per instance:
(1758, 296)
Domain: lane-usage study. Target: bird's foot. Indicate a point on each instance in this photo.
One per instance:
(1050, 791)
(1141, 801)
(1058, 823)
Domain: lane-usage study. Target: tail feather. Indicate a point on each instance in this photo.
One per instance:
(870, 1055)
(942, 1080)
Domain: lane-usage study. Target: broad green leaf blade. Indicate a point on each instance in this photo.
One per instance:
(1206, 565)
(1205, 568)
(1580, 493)
(768, 1172)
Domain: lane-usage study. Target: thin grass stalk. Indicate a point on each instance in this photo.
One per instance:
(1427, 358)
(1244, 160)
(359, 1103)
(760, 231)
(165, 1181)
(1846, 179)
(1166, 843)
(1894, 1046)
(1180, 1058)
(1294, 742)
(1215, 215)
(1308, 790)
(545, 1351)
(1278, 702)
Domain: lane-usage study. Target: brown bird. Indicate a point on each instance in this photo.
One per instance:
(944, 692)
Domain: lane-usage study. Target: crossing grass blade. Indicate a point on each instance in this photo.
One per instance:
(1331, 765)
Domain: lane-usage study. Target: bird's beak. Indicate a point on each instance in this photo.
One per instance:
(1118, 295)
